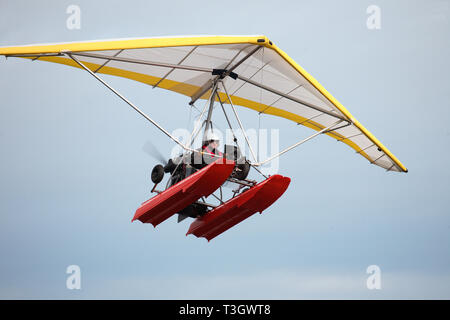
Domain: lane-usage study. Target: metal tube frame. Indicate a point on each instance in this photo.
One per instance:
(210, 83)
(228, 121)
(138, 61)
(239, 121)
(196, 130)
(297, 144)
(106, 62)
(171, 70)
(234, 135)
(210, 111)
(330, 113)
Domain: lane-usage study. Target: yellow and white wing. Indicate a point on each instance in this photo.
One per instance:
(257, 74)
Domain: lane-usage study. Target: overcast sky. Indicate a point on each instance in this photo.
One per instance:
(73, 169)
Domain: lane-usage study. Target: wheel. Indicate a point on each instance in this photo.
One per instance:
(241, 171)
(157, 173)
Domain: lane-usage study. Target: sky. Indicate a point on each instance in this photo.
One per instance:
(73, 166)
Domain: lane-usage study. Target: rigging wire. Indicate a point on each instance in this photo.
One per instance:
(260, 103)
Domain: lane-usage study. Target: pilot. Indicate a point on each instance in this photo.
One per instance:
(209, 151)
(211, 144)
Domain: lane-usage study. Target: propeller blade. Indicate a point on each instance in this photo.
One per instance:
(153, 152)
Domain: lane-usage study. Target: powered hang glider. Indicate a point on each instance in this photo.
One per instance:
(247, 71)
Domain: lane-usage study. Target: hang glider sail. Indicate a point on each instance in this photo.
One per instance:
(255, 74)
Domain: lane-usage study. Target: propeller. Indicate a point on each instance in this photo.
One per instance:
(153, 152)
